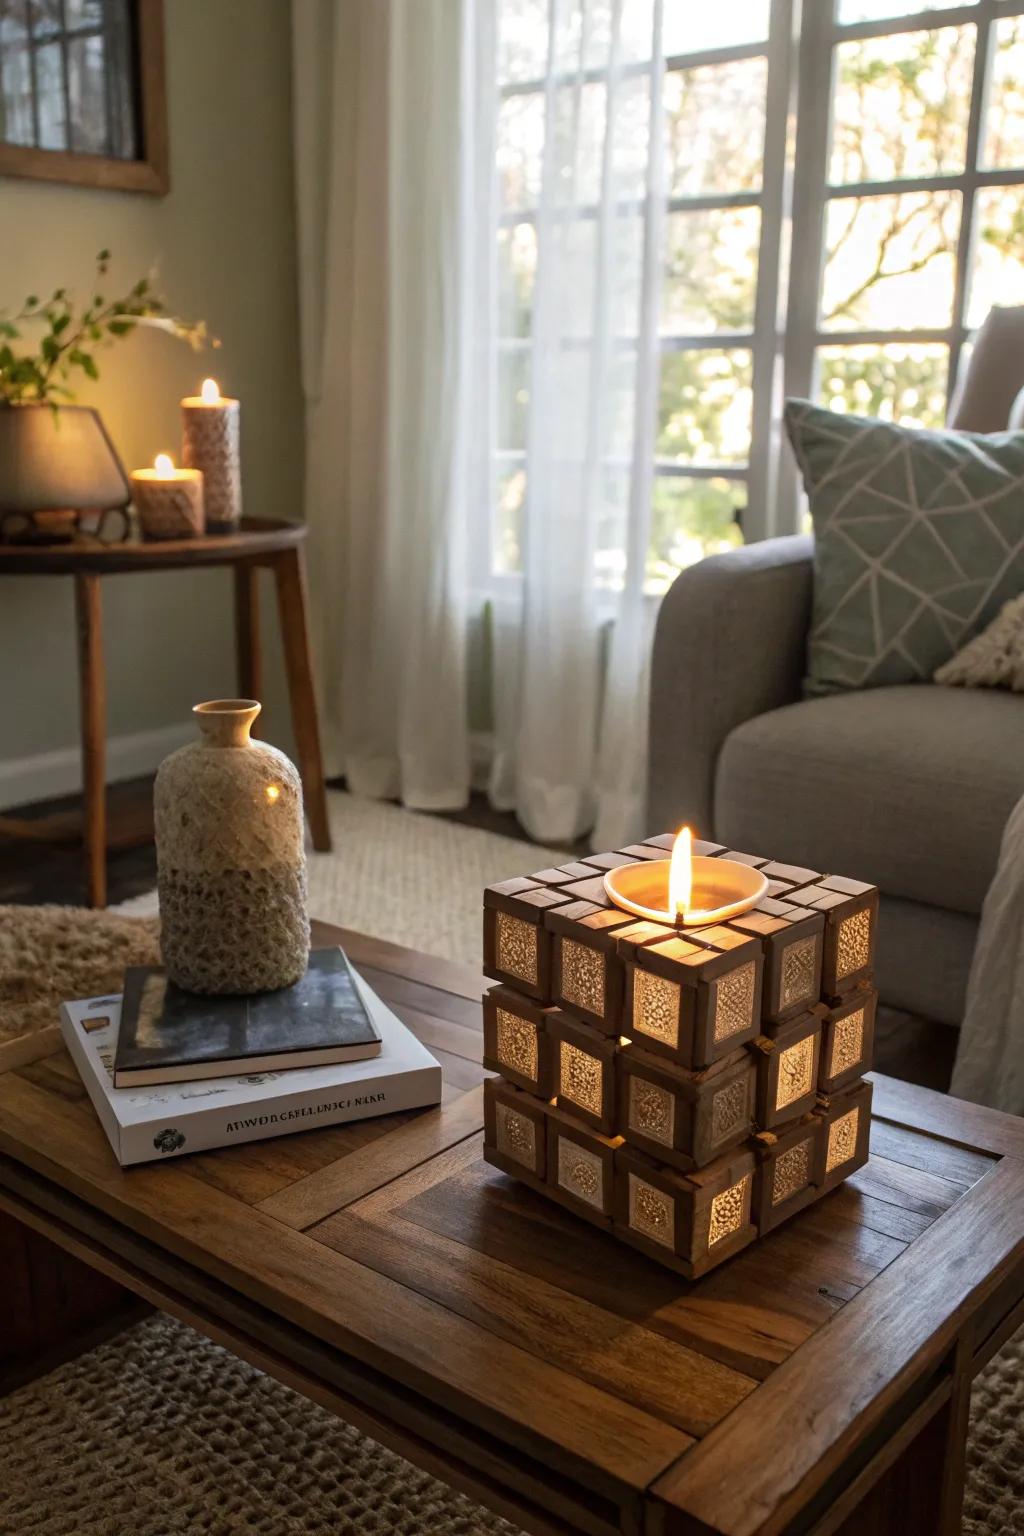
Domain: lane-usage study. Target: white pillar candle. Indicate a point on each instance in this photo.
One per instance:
(210, 442)
(169, 501)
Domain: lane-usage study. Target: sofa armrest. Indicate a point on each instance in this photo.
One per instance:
(729, 644)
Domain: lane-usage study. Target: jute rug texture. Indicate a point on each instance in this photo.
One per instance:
(160, 1432)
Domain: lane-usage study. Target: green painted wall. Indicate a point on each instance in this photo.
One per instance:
(224, 244)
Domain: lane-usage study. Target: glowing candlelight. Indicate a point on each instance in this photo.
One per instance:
(209, 392)
(680, 874)
(687, 889)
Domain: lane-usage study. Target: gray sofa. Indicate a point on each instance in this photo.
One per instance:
(908, 787)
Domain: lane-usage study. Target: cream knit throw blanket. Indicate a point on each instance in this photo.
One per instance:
(990, 1055)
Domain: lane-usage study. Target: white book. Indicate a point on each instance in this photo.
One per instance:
(149, 1124)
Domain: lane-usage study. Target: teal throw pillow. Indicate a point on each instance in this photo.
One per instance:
(918, 542)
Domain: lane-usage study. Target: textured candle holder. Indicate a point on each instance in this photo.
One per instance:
(686, 1088)
(169, 508)
(210, 442)
(231, 864)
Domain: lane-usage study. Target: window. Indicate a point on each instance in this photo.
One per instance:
(715, 97)
(913, 154)
(847, 261)
(81, 92)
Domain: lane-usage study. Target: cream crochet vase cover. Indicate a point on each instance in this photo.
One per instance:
(231, 863)
(993, 659)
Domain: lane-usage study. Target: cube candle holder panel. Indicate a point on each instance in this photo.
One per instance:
(850, 908)
(517, 1043)
(689, 1221)
(587, 975)
(787, 1070)
(584, 1071)
(684, 1118)
(792, 938)
(515, 1131)
(517, 948)
(847, 1038)
(846, 1134)
(580, 1167)
(688, 1000)
(788, 1171)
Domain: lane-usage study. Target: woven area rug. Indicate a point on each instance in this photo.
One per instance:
(160, 1431)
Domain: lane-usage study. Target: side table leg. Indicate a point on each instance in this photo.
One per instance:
(290, 575)
(248, 646)
(93, 709)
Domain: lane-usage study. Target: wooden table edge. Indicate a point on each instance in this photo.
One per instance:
(839, 1400)
(376, 1406)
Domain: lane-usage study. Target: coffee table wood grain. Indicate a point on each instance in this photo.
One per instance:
(817, 1383)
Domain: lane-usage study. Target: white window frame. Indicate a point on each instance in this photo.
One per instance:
(820, 32)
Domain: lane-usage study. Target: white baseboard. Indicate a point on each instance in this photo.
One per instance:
(48, 774)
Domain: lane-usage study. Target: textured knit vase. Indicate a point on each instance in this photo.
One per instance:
(231, 866)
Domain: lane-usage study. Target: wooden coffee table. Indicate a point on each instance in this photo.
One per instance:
(816, 1383)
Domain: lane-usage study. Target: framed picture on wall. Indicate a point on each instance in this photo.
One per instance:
(82, 95)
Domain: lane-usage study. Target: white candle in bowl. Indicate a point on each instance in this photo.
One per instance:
(169, 501)
(210, 425)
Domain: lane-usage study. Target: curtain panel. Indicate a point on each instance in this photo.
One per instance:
(396, 104)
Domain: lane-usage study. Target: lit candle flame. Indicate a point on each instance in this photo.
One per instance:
(210, 392)
(680, 874)
(163, 464)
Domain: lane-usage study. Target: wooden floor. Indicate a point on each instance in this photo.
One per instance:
(915, 1049)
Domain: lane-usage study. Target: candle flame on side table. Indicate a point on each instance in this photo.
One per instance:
(210, 427)
(169, 501)
(688, 889)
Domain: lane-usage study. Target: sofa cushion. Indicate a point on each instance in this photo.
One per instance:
(908, 787)
(919, 540)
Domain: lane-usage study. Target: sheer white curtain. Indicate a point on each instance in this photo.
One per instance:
(395, 104)
(572, 648)
(388, 167)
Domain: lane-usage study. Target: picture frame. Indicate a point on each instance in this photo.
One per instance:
(141, 81)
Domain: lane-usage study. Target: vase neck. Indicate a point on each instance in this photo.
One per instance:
(226, 722)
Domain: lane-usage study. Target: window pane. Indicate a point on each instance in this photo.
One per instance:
(83, 13)
(513, 397)
(715, 127)
(691, 519)
(890, 261)
(508, 528)
(900, 381)
(522, 39)
(50, 89)
(87, 95)
(704, 407)
(45, 16)
(711, 271)
(997, 276)
(16, 126)
(1004, 122)
(517, 271)
(692, 28)
(520, 150)
(878, 10)
(901, 105)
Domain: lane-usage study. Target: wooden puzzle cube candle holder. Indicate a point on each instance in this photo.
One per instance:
(687, 1088)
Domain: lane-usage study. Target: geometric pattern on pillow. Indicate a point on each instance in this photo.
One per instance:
(993, 659)
(919, 541)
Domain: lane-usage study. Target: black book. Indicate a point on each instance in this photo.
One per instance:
(168, 1035)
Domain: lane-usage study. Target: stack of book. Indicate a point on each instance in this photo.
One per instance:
(170, 1072)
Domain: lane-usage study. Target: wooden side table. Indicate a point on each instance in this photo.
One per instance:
(277, 546)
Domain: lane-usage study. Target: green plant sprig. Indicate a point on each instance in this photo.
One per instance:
(72, 336)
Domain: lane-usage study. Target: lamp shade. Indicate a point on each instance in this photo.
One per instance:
(61, 458)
